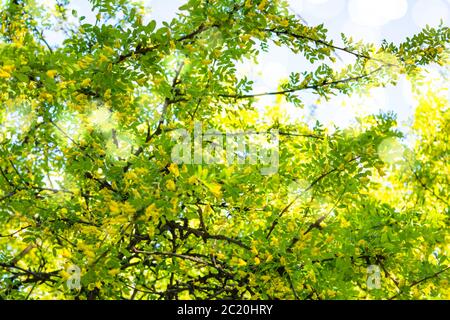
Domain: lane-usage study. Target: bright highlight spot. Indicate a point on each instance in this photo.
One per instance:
(390, 150)
(376, 13)
(101, 118)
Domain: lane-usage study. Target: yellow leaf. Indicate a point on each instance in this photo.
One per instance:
(51, 73)
(113, 272)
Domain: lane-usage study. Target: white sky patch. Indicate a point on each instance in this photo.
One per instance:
(161, 10)
(318, 1)
(406, 90)
(366, 104)
(83, 8)
(296, 5)
(247, 69)
(323, 9)
(430, 12)
(261, 103)
(360, 32)
(376, 13)
(342, 111)
(53, 180)
(296, 114)
(271, 75)
(331, 114)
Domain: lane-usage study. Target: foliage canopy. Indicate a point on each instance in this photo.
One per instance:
(87, 179)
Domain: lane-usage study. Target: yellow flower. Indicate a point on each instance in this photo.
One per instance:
(170, 185)
(85, 83)
(130, 175)
(331, 293)
(192, 180)
(66, 253)
(128, 209)
(46, 96)
(151, 211)
(103, 58)
(257, 261)
(109, 50)
(220, 256)
(262, 5)
(9, 68)
(345, 223)
(107, 94)
(215, 189)
(51, 73)
(284, 23)
(174, 169)
(241, 262)
(89, 253)
(64, 274)
(246, 37)
(4, 74)
(114, 207)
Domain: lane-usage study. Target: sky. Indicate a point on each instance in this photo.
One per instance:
(367, 20)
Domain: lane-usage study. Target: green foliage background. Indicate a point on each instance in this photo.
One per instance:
(86, 176)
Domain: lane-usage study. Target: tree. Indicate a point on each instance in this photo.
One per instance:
(90, 187)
